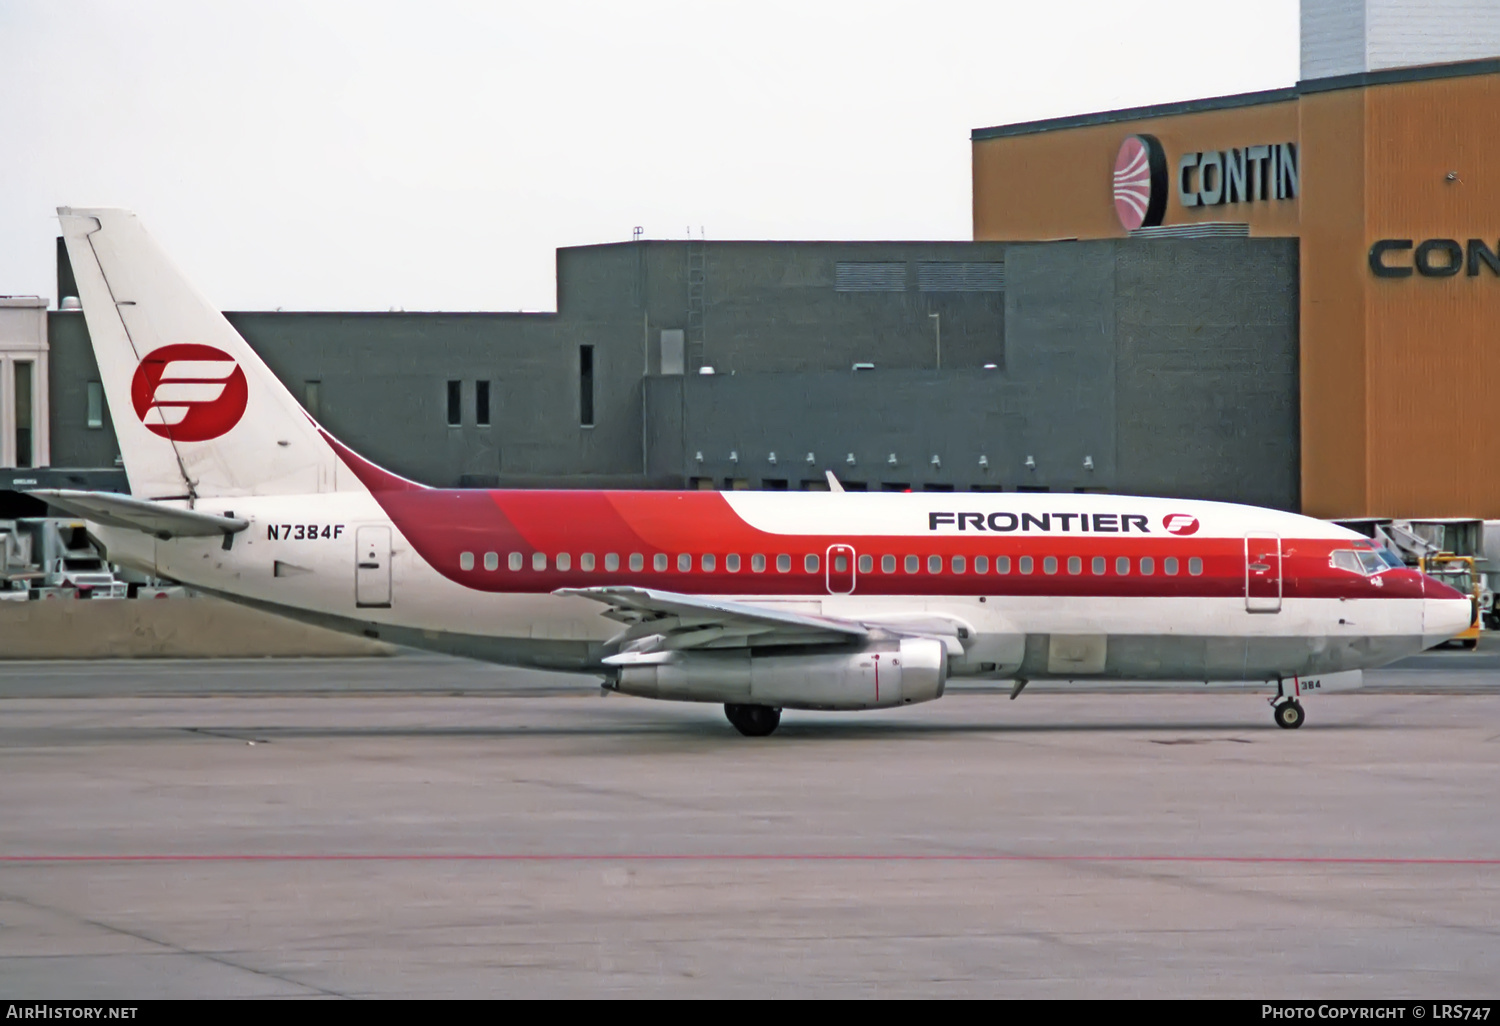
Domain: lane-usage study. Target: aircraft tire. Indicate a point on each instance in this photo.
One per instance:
(753, 720)
(1289, 715)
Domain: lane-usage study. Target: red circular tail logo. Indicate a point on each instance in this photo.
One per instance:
(1180, 523)
(189, 392)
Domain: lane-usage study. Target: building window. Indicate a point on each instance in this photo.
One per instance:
(586, 386)
(96, 404)
(869, 276)
(783, 564)
(482, 403)
(455, 403)
(312, 397)
(22, 407)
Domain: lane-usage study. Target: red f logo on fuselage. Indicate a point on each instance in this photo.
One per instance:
(1180, 523)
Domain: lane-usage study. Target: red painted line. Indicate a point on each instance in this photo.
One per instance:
(1329, 860)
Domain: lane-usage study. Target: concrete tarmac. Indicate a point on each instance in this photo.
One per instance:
(422, 827)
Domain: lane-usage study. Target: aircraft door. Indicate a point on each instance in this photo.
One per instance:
(1262, 573)
(840, 570)
(372, 567)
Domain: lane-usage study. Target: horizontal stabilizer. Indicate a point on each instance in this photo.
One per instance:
(153, 518)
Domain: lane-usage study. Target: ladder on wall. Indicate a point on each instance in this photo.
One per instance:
(697, 272)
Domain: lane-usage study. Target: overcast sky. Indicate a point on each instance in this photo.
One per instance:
(320, 155)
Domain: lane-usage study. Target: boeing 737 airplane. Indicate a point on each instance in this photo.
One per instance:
(759, 601)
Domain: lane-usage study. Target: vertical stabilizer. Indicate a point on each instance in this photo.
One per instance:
(196, 411)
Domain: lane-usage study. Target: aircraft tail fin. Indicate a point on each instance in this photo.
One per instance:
(197, 413)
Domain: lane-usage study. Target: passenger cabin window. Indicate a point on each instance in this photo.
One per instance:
(732, 562)
(1049, 565)
(783, 564)
(1169, 566)
(1026, 564)
(1075, 565)
(586, 562)
(840, 564)
(887, 564)
(611, 561)
(1195, 566)
(1148, 566)
(866, 564)
(466, 560)
(659, 562)
(492, 561)
(1099, 566)
(810, 563)
(538, 561)
(515, 561)
(913, 564)
(637, 562)
(757, 564)
(957, 564)
(564, 561)
(707, 563)
(684, 562)
(1122, 566)
(934, 564)
(981, 564)
(1002, 565)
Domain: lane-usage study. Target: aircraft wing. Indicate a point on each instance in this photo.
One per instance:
(667, 620)
(153, 518)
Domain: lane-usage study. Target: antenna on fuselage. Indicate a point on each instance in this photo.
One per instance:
(833, 482)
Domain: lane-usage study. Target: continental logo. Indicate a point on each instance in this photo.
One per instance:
(1023, 523)
(1432, 258)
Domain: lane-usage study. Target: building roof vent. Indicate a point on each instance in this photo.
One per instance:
(70, 303)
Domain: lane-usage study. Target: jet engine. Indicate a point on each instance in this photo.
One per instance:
(875, 677)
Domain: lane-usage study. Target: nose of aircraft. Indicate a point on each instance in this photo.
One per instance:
(1445, 612)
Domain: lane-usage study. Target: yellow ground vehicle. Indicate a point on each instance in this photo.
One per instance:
(1457, 572)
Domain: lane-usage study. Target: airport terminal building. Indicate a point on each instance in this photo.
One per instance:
(1284, 298)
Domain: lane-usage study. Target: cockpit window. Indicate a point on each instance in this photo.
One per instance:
(1347, 559)
(1372, 562)
(1391, 559)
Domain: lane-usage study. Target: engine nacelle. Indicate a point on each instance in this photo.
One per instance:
(876, 677)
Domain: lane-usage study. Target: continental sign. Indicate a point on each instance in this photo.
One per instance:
(1205, 178)
(1432, 258)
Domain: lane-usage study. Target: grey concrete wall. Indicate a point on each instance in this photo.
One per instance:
(188, 628)
(1171, 364)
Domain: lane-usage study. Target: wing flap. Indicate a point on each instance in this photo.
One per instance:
(153, 518)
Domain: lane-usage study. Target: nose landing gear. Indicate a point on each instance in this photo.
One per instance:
(1286, 710)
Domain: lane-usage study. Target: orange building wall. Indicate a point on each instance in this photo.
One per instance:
(1400, 389)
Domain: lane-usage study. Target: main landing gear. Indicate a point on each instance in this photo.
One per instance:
(1287, 711)
(753, 720)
